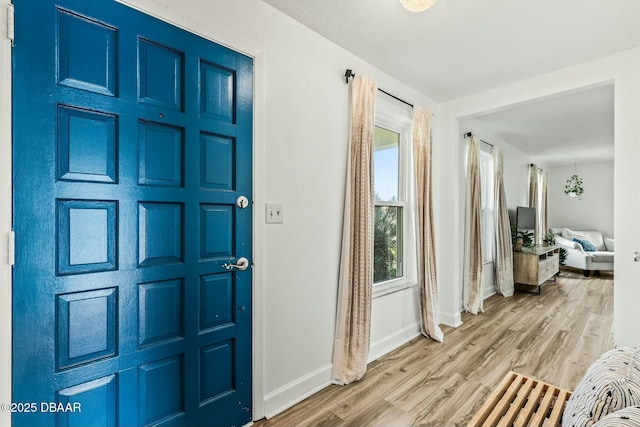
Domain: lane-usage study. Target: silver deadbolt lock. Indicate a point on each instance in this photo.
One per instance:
(242, 202)
(241, 264)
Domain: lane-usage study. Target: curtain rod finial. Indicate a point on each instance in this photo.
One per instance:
(348, 74)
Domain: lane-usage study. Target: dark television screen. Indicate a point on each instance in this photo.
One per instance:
(526, 218)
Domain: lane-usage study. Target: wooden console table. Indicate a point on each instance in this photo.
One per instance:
(534, 266)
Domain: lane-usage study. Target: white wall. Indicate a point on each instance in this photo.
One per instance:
(594, 210)
(395, 320)
(300, 161)
(623, 70)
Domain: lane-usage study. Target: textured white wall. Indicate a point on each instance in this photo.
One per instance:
(594, 210)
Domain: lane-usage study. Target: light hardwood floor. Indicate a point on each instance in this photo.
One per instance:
(553, 337)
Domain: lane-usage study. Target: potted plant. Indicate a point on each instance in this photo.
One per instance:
(563, 255)
(549, 239)
(521, 238)
(574, 187)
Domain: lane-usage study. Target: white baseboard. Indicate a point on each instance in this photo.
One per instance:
(490, 291)
(449, 319)
(391, 342)
(296, 391)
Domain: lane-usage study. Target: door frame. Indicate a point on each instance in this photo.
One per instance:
(6, 174)
(620, 70)
(202, 29)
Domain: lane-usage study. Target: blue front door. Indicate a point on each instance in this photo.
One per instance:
(132, 208)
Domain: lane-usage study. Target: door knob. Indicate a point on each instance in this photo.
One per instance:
(242, 202)
(636, 256)
(241, 264)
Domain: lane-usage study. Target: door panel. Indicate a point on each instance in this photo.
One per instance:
(132, 143)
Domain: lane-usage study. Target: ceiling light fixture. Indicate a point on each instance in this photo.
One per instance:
(417, 5)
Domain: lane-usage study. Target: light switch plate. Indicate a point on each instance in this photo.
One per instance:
(274, 213)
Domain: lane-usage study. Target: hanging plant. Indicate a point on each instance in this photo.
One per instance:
(574, 188)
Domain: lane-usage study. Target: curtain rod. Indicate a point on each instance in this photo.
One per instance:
(469, 135)
(348, 74)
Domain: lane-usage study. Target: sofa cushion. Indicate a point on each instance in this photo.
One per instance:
(627, 417)
(611, 383)
(610, 244)
(601, 256)
(567, 243)
(593, 236)
(586, 245)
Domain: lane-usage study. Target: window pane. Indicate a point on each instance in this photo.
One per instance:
(487, 218)
(387, 245)
(385, 164)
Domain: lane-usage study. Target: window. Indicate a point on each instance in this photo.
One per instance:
(389, 206)
(487, 203)
(394, 259)
(541, 206)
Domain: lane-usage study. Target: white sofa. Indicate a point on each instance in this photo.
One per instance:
(577, 257)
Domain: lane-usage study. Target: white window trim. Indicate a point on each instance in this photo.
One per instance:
(397, 117)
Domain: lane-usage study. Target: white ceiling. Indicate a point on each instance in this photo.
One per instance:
(560, 129)
(462, 47)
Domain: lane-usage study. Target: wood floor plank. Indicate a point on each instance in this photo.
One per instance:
(471, 394)
(596, 334)
(553, 337)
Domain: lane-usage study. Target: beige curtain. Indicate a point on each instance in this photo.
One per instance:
(353, 317)
(544, 216)
(425, 240)
(503, 259)
(533, 198)
(473, 298)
